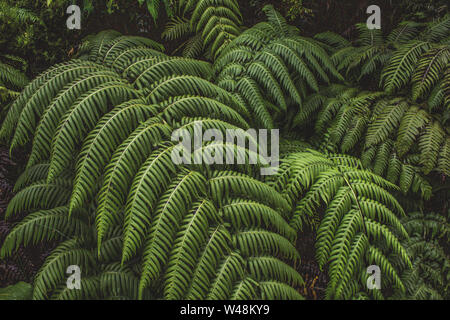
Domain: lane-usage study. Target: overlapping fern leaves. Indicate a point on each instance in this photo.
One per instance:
(428, 279)
(271, 69)
(17, 14)
(137, 224)
(396, 138)
(209, 25)
(413, 56)
(357, 219)
(102, 182)
(12, 81)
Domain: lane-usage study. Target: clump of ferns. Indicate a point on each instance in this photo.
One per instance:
(101, 128)
(207, 26)
(107, 277)
(395, 138)
(22, 23)
(12, 76)
(356, 219)
(413, 59)
(271, 69)
(428, 279)
(12, 81)
(137, 224)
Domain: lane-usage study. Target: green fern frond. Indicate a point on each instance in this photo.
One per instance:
(52, 273)
(12, 78)
(358, 211)
(45, 225)
(400, 68)
(429, 70)
(40, 195)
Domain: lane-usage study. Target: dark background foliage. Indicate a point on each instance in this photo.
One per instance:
(47, 41)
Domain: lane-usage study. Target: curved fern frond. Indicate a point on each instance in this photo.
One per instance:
(358, 213)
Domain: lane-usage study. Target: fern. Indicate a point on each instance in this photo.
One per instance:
(128, 199)
(411, 56)
(262, 57)
(385, 132)
(17, 14)
(11, 77)
(101, 182)
(12, 81)
(354, 215)
(209, 25)
(428, 277)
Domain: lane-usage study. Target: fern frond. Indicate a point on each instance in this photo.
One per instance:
(53, 272)
(40, 195)
(45, 225)
(400, 68)
(358, 213)
(428, 71)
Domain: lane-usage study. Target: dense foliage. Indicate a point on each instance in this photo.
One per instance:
(365, 153)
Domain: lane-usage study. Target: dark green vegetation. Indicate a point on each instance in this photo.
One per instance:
(365, 158)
